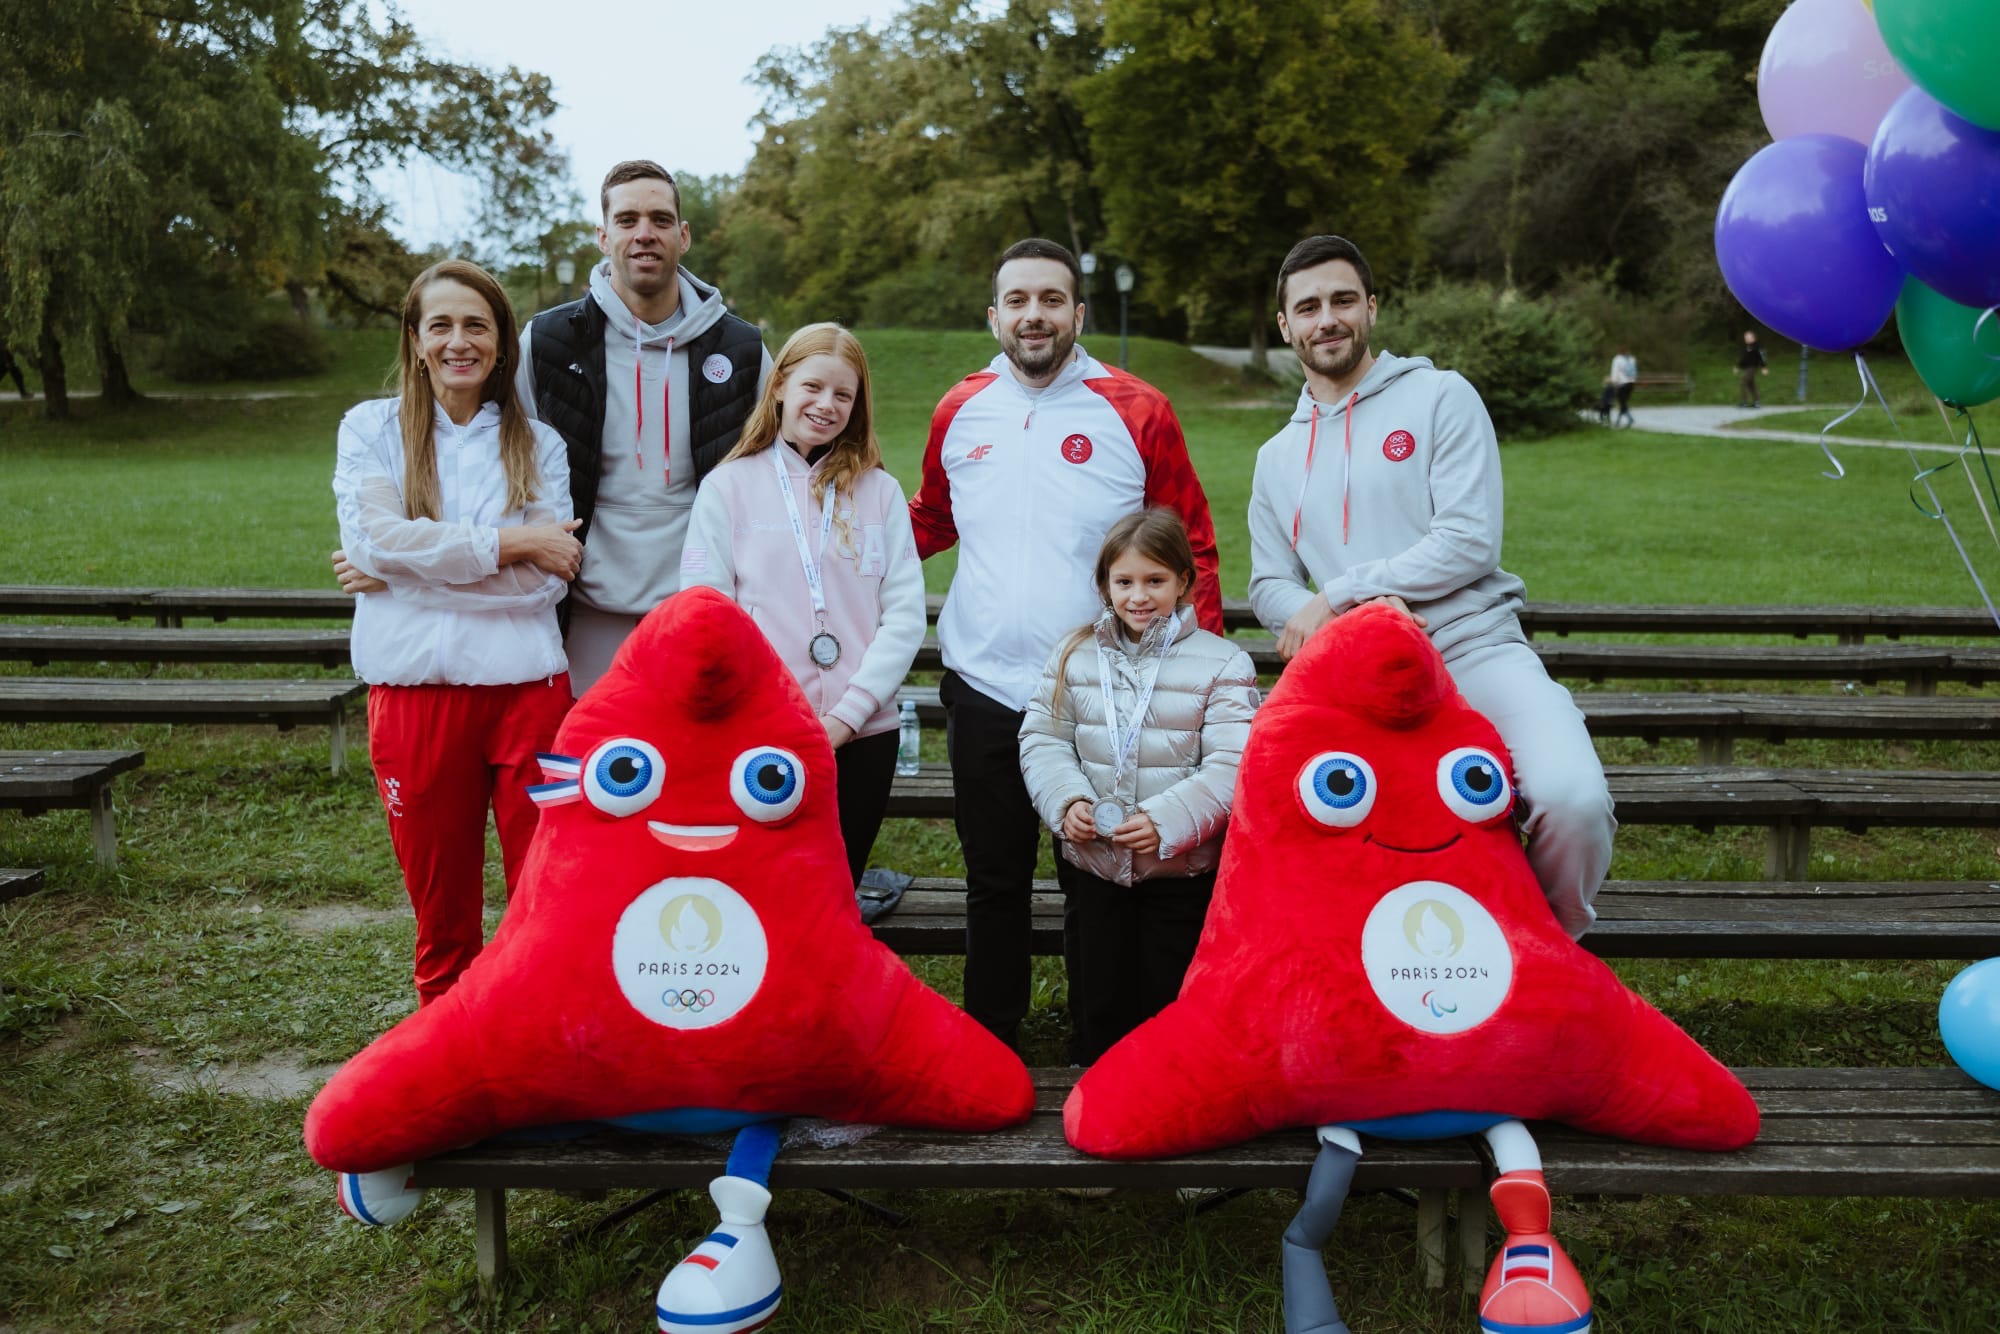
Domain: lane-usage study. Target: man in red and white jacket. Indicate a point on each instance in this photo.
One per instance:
(1030, 461)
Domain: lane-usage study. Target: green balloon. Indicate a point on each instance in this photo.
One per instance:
(1949, 48)
(1937, 333)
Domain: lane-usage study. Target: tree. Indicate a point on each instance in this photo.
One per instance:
(1225, 130)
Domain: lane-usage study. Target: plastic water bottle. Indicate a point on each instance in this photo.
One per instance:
(910, 740)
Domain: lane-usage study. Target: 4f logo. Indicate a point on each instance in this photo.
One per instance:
(392, 797)
(978, 452)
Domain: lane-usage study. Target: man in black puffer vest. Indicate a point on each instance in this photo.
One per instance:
(649, 379)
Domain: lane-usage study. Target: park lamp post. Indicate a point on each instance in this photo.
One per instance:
(1125, 278)
(566, 273)
(1087, 261)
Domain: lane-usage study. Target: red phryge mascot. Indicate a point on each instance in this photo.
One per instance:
(1378, 957)
(684, 953)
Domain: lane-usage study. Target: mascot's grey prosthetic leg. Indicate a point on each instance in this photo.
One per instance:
(1309, 1304)
(1531, 1287)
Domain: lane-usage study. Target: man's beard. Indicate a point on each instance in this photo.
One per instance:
(1331, 362)
(1057, 352)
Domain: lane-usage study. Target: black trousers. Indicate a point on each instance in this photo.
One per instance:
(1127, 948)
(1000, 835)
(866, 766)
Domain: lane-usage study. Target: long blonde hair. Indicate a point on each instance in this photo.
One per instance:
(1157, 534)
(418, 413)
(855, 450)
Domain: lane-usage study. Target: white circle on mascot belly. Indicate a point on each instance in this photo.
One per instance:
(1436, 958)
(689, 952)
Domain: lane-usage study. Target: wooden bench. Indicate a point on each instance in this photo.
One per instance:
(34, 781)
(1788, 803)
(283, 704)
(1918, 667)
(1717, 722)
(1636, 919)
(1826, 1132)
(1680, 382)
(1848, 624)
(16, 881)
(40, 645)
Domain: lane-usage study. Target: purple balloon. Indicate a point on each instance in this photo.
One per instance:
(1933, 186)
(1825, 70)
(1797, 249)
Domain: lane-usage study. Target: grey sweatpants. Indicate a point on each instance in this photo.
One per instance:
(1556, 771)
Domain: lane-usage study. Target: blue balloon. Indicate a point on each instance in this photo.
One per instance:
(1969, 1019)
(1933, 187)
(1796, 246)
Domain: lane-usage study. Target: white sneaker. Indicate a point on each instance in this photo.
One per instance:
(729, 1283)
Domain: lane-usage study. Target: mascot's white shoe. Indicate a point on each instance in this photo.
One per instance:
(378, 1198)
(729, 1283)
(1532, 1288)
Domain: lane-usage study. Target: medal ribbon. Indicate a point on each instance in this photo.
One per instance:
(814, 584)
(1121, 747)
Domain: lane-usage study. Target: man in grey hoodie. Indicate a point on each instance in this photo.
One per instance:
(1385, 486)
(649, 378)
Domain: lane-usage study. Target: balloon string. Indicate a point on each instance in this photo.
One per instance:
(1922, 478)
(1839, 472)
(1980, 501)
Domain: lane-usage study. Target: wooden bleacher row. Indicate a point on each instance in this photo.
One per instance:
(1848, 624)
(1826, 1132)
(36, 781)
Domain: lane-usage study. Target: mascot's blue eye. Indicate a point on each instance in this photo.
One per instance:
(1337, 789)
(623, 776)
(1474, 784)
(768, 783)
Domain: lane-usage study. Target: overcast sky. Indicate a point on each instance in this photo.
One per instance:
(664, 80)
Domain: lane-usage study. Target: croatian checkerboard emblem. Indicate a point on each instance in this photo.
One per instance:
(717, 368)
(1399, 446)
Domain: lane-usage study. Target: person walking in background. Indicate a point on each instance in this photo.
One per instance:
(1749, 365)
(457, 541)
(649, 379)
(1029, 462)
(12, 369)
(803, 527)
(1129, 749)
(1624, 375)
(1408, 511)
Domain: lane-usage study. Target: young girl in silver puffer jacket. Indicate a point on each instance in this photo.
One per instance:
(1135, 778)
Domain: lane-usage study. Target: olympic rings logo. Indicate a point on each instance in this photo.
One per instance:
(690, 1002)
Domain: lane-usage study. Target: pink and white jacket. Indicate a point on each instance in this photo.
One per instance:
(740, 543)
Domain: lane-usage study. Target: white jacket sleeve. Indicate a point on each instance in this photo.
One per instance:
(521, 586)
(1196, 809)
(1279, 581)
(1049, 766)
(1467, 506)
(887, 658)
(708, 553)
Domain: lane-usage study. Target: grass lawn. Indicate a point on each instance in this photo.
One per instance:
(162, 1024)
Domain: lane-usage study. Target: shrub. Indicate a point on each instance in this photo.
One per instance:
(1531, 360)
(275, 347)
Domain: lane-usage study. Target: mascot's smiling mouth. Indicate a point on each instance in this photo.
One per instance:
(693, 837)
(1370, 838)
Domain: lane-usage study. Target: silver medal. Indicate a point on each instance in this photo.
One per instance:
(824, 648)
(1106, 816)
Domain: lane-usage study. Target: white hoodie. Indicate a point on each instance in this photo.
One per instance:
(632, 559)
(1402, 498)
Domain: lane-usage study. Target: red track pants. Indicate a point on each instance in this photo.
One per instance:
(441, 754)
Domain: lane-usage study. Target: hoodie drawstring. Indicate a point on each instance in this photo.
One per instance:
(1346, 470)
(666, 410)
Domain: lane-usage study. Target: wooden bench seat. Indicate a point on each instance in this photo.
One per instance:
(1636, 919)
(283, 704)
(1826, 1132)
(1717, 722)
(1789, 803)
(40, 645)
(170, 606)
(34, 781)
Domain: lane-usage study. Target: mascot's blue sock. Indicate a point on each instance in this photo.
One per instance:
(756, 1148)
(1309, 1304)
